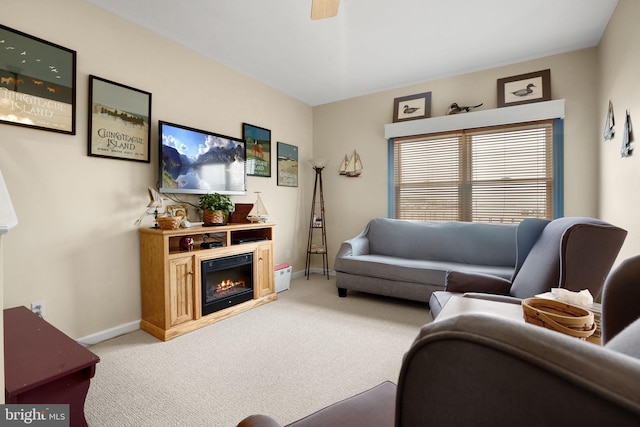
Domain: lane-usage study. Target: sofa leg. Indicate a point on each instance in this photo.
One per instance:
(342, 292)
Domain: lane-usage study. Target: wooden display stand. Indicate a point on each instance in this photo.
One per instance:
(317, 223)
(171, 276)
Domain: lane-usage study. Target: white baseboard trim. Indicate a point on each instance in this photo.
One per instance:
(107, 334)
(126, 328)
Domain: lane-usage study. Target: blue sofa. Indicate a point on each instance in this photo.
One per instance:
(419, 260)
(410, 259)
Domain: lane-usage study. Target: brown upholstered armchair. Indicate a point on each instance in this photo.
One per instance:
(575, 253)
(485, 370)
(621, 298)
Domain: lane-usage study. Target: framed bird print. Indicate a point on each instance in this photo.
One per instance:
(37, 83)
(412, 107)
(525, 88)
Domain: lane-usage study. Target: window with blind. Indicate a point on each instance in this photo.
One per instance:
(498, 174)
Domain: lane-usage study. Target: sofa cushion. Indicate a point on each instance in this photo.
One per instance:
(412, 270)
(457, 242)
(458, 281)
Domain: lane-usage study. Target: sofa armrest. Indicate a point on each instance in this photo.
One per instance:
(373, 407)
(528, 232)
(258, 421)
(357, 246)
(493, 297)
(592, 240)
(457, 281)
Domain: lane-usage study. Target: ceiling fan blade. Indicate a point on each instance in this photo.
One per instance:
(321, 9)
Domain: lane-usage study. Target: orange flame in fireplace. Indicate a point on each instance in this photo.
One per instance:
(228, 284)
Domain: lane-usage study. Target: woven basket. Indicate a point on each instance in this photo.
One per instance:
(213, 217)
(169, 222)
(559, 316)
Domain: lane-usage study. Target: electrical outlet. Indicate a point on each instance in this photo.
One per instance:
(38, 308)
(288, 254)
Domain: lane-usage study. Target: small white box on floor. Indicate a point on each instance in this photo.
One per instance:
(283, 277)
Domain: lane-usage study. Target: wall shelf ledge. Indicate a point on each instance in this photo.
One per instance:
(477, 119)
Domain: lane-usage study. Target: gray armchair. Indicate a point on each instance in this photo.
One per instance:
(571, 252)
(621, 298)
(485, 370)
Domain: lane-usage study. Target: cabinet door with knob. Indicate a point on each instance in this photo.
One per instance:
(181, 283)
(264, 281)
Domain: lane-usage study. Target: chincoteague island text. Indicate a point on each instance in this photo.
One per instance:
(33, 110)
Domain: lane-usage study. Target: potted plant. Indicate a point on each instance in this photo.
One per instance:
(215, 208)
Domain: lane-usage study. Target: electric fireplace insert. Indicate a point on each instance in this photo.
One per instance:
(226, 282)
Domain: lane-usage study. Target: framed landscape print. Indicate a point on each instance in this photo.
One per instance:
(119, 118)
(258, 142)
(524, 88)
(287, 165)
(37, 83)
(412, 107)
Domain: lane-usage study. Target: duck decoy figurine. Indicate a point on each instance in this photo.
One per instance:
(455, 108)
(524, 92)
(409, 110)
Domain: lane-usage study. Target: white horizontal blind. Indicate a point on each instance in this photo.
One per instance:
(499, 174)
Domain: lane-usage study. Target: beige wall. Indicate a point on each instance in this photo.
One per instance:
(76, 247)
(358, 124)
(619, 180)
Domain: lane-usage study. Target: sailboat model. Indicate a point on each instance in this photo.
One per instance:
(352, 166)
(258, 212)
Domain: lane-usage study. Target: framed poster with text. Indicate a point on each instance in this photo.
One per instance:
(37, 83)
(287, 165)
(258, 142)
(119, 118)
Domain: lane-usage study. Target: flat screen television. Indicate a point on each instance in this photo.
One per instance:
(198, 162)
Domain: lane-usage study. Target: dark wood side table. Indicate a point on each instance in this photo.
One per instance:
(43, 365)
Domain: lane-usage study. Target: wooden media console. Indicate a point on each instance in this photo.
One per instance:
(171, 275)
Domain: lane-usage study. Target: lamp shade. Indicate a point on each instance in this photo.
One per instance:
(318, 163)
(8, 218)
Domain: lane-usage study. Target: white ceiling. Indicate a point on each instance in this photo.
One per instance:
(372, 45)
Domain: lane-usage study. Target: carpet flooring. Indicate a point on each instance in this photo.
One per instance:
(287, 359)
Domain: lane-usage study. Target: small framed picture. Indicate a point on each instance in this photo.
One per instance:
(287, 165)
(412, 107)
(178, 210)
(119, 119)
(37, 83)
(258, 145)
(525, 88)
